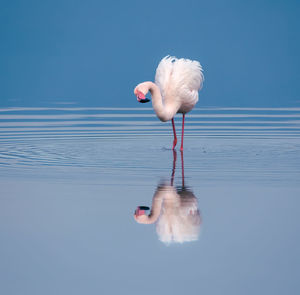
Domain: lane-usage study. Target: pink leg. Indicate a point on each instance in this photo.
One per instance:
(174, 133)
(182, 132)
(182, 169)
(174, 167)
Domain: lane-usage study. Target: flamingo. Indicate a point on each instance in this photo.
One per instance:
(177, 82)
(174, 210)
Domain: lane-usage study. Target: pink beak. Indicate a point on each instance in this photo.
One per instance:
(140, 95)
(141, 210)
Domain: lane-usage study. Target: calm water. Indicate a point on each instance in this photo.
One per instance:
(225, 213)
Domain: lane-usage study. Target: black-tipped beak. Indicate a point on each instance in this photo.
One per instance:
(141, 210)
(143, 100)
(141, 97)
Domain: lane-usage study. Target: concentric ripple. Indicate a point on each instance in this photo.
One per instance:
(219, 142)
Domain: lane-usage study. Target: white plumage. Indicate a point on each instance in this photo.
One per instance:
(177, 82)
(176, 214)
(174, 210)
(179, 220)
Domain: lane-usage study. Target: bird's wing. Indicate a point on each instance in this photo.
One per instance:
(163, 73)
(188, 74)
(179, 77)
(187, 78)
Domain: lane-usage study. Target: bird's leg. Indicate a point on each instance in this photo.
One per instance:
(174, 167)
(174, 133)
(182, 169)
(182, 132)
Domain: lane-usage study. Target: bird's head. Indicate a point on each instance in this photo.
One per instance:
(140, 215)
(140, 92)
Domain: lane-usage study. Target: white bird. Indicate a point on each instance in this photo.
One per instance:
(174, 210)
(177, 82)
(175, 213)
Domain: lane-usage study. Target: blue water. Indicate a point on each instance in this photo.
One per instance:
(72, 178)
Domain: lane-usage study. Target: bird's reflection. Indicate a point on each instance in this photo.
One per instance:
(174, 211)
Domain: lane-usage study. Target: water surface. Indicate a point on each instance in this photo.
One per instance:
(72, 178)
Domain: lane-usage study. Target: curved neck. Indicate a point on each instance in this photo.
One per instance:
(163, 193)
(156, 206)
(165, 111)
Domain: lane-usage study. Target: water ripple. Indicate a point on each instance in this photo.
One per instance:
(220, 142)
(23, 122)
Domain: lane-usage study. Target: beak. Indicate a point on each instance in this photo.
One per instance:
(140, 210)
(141, 97)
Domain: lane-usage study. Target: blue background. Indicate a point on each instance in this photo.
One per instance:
(93, 53)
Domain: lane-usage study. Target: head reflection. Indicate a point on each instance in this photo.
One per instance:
(174, 210)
